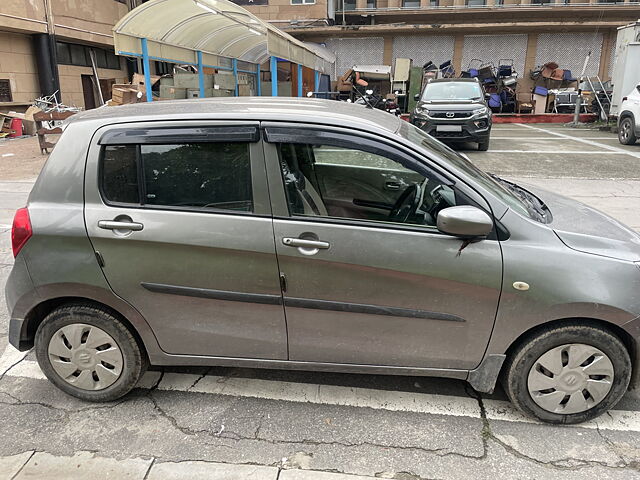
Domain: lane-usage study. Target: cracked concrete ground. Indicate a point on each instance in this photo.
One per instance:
(157, 430)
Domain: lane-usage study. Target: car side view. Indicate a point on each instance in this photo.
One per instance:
(314, 235)
(629, 118)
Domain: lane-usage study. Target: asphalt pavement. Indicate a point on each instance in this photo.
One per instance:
(227, 423)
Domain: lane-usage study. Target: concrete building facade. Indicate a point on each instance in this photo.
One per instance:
(46, 45)
(529, 32)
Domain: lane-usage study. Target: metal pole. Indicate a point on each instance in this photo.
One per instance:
(299, 80)
(147, 69)
(200, 73)
(576, 113)
(96, 78)
(258, 85)
(274, 76)
(316, 81)
(235, 74)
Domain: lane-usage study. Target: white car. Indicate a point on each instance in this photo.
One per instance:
(629, 118)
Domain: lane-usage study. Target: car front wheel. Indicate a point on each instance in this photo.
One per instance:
(89, 353)
(568, 374)
(626, 131)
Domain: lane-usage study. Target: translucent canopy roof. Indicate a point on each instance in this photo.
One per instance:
(176, 29)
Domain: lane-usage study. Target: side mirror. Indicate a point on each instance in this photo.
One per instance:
(487, 95)
(464, 221)
(416, 97)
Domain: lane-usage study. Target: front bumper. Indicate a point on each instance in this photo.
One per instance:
(474, 129)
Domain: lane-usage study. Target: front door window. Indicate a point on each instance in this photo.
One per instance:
(350, 183)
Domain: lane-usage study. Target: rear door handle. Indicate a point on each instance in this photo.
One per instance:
(392, 186)
(115, 225)
(302, 243)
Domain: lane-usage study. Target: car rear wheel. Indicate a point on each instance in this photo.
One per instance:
(88, 353)
(568, 374)
(626, 131)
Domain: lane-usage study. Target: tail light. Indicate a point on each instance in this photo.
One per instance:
(21, 230)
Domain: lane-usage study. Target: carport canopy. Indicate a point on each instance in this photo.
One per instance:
(199, 32)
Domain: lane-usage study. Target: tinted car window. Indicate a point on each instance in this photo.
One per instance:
(215, 175)
(120, 174)
(198, 175)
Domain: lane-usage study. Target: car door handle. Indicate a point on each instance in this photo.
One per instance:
(392, 186)
(116, 225)
(303, 243)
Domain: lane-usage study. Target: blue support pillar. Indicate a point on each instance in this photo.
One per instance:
(258, 86)
(200, 74)
(299, 80)
(274, 76)
(316, 81)
(235, 74)
(146, 66)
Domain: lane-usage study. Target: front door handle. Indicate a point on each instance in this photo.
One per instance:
(303, 243)
(392, 186)
(116, 225)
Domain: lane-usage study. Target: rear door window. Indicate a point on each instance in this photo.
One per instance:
(201, 175)
(181, 175)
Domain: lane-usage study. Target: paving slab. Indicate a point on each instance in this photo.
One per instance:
(81, 466)
(11, 465)
(210, 471)
(315, 475)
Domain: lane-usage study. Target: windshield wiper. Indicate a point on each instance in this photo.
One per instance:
(534, 204)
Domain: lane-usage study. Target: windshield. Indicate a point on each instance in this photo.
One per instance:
(451, 91)
(415, 135)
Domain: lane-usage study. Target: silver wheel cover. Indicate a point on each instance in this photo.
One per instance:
(85, 356)
(570, 378)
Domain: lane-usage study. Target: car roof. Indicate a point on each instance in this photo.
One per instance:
(300, 109)
(447, 80)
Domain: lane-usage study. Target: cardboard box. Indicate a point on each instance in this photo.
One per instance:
(138, 81)
(122, 94)
(167, 91)
(540, 104)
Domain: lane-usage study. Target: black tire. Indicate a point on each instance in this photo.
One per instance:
(626, 131)
(134, 361)
(516, 370)
(483, 146)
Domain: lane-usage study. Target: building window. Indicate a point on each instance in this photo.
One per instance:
(476, 3)
(411, 3)
(348, 4)
(434, 3)
(540, 2)
(303, 2)
(5, 91)
(371, 4)
(79, 55)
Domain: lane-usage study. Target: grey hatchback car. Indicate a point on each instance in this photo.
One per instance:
(314, 235)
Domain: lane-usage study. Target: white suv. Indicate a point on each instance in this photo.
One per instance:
(629, 118)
